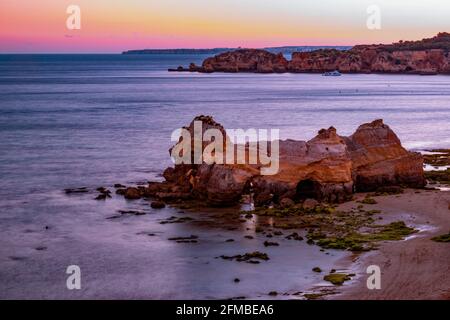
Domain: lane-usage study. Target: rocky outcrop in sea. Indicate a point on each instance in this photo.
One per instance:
(427, 56)
(327, 168)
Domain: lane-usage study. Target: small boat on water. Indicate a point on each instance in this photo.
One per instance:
(334, 73)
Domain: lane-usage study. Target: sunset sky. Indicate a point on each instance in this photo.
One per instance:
(116, 25)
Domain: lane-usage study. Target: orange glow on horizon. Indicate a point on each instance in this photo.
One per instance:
(108, 26)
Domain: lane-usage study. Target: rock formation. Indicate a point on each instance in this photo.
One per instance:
(327, 168)
(246, 60)
(379, 159)
(427, 56)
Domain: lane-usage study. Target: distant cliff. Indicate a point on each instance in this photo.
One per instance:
(178, 51)
(285, 50)
(427, 56)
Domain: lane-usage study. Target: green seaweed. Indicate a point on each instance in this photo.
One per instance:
(368, 200)
(293, 211)
(442, 238)
(337, 279)
(394, 231)
(355, 241)
(248, 257)
(442, 158)
(442, 176)
(314, 296)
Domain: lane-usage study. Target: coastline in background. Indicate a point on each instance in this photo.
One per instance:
(283, 49)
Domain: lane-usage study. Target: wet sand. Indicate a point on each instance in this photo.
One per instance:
(415, 268)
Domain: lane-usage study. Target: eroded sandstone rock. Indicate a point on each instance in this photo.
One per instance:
(426, 56)
(327, 168)
(379, 159)
(246, 60)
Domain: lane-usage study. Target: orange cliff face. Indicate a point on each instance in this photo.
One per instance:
(379, 159)
(427, 56)
(328, 167)
(246, 60)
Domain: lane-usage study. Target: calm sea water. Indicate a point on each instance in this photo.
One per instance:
(95, 120)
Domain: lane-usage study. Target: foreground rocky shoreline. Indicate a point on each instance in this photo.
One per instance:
(358, 222)
(427, 57)
(329, 168)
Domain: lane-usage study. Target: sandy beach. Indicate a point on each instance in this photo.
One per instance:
(414, 268)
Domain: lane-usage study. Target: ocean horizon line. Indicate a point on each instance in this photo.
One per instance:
(178, 50)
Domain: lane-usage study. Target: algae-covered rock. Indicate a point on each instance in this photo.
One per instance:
(442, 238)
(337, 279)
(248, 257)
(369, 201)
(355, 241)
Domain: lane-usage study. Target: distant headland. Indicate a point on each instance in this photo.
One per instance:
(284, 50)
(427, 57)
